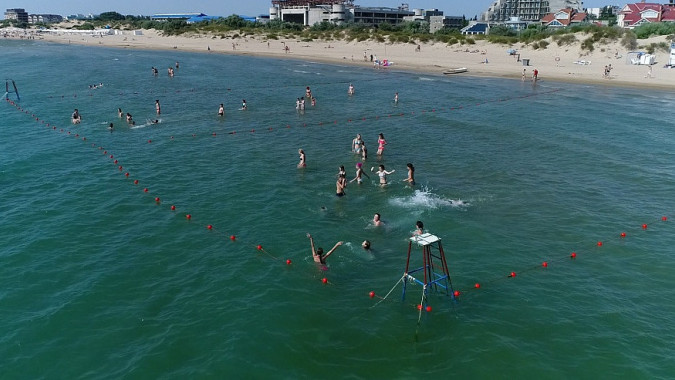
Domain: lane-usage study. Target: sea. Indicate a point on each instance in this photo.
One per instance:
(179, 249)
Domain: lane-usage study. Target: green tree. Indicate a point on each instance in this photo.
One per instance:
(110, 16)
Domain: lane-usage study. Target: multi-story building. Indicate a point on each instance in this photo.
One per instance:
(526, 10)
(18, 14)
(44, 18)
(310, 12)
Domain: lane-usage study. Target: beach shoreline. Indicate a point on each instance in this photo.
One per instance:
(565, 63)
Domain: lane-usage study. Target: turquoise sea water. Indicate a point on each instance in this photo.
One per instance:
(97, 280)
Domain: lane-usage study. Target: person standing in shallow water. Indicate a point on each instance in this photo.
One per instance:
(157, 107)
(302, 162)
(411, 174)
(221, 110)
(318, 255)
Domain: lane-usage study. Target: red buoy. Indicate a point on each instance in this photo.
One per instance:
(599, 244)
(477, 286)
(288, 262)
(149, 141)
(664, 218)
(371, 294)
(324, 280)
(115, 162)
(173, 208)
(135, 182)
(157, 199)
(259, 247)
(644, 226)
(126, 174)
(456, 293)
(573, 255)
(428, 309)
(623, 234)
(209, 227)
(419, 307)
(513, 274)
(232, 237)
(145, 190)
(544, 264)
(188, 216)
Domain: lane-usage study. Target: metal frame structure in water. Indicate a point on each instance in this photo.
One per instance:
(431, 249)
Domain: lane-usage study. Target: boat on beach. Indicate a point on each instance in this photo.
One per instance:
(457, 70)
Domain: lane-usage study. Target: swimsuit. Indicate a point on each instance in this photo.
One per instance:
(342, 194)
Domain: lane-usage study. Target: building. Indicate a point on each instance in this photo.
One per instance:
(476, 27)
(437, 23)
(44, 19)
(563, 18)
(379, 15)
(18, 14)
(612, 10)
(526, 10)
(632, 15)
(310, 12)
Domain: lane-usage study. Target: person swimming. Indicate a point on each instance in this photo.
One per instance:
(77, 118)
(317, 254)
(376, 220)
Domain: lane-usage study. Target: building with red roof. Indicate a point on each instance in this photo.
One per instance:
(564, 17)
(632, 15)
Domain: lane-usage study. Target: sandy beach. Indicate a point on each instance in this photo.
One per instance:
(561, 63)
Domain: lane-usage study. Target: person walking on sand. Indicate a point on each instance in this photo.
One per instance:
(302, 162)
(381, 142)
(382, 174)
(535, 75)
(317, 254)
(359, 173)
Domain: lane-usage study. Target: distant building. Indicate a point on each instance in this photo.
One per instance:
(18, 14)
(476, 27)
(437, 23)
(597, 12)
(563, 18)
(633, 15)
(526, 10)
(379, 15)
(310, 12)
(44, 19)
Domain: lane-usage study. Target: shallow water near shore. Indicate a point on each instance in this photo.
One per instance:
(98, 280)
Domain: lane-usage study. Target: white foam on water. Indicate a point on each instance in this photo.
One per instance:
(425, 199)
